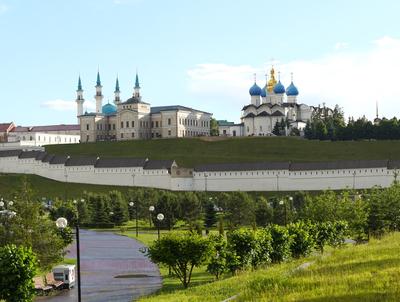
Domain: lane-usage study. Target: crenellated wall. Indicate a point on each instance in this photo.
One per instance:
(283, 179)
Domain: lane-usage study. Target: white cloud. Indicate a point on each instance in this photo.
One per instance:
(62, 105)
(353, 79)
(3, 8)
(341, 45)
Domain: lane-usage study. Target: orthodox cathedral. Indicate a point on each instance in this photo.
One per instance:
(135, 119)
(271, 104)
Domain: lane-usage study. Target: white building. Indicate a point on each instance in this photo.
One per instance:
(272, 104)
(136, 119)
(45, 135)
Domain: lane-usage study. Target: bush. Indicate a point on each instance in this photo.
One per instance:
(281, 242)
(217, 264)
(181, 252)
(243, 244)
(17, 269)
(339, 233)
(302, 241)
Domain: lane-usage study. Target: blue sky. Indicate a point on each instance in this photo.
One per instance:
(200, 53)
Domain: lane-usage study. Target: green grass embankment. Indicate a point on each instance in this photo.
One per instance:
(369, 272)
(189, 152)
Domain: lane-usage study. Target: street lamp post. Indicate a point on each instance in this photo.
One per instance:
(62, 223)
(283, 203)
(151, 210)
(131, 204)
(160, 218)
(78, 251)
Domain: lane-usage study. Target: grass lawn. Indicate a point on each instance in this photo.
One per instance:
(189, 152)
(44, 187)
(368, 272)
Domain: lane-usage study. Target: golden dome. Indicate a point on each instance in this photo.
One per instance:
(272, 81)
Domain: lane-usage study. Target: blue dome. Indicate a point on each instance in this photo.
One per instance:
(264, 92)
(292, 90)
(255, 90)
(279, 88)
(109, 109)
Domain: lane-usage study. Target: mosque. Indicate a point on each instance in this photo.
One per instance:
(271, 104)
(135, 118)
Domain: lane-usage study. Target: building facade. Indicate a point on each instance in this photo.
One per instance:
(136, 119)
(272, 104)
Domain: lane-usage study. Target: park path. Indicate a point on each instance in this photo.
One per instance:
(105, 255)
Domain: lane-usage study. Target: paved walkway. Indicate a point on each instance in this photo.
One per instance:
(105, 255)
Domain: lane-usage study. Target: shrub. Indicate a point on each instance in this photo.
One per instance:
(243, 244)
(281, 242)
(181, 252)
(217, 264)
(17, 269)
(302, 241)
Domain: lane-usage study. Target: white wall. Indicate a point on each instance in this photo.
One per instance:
(267, 180)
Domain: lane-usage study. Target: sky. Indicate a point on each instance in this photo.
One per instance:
(196, 53)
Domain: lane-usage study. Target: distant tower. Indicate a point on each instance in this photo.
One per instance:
(255, 93)
(377, 120)
(136, 93)
(278, 91)
(117, 98)
(99, 96)
(79, 98)
(292, 92)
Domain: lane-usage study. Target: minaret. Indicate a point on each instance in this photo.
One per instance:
(99, 96)
(79, 98)
(117, 99)
(136, 93)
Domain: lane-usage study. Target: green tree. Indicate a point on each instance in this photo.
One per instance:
(239, 209)
(119, 208)
(181, 252)
(302, 241)
(264, 213)
(190, 208)
(17, 268)
(168, 205)
(214, 130)
(217, 264)
(281, 242)
(210, 215)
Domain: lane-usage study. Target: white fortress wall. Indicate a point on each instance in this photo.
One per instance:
(235, 177)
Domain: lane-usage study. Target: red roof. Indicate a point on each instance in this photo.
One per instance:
(48, 128)
(6, 127)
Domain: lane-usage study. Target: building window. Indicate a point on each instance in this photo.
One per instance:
(169, 121)
(133, 134)
(127, 124)
(87, 126)
(109, 126)
(133, 124)
(152, 124)
(169, 132)
(156, 124)
(122, 135)
(122, 124)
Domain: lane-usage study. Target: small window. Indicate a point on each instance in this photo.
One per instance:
(169, 121)
(87, 126)
(122, 124)
(127, 124)
(133, 124)
(169, 132)
(122, 135)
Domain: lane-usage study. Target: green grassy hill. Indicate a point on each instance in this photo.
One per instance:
(44, 187)
(189, 152)
(364, 273)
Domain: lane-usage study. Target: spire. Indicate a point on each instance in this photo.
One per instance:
(377, 113)
(291, 76)
(79, 84)
(255, 77)
(98, 82)
(137, 86)
(117, 85)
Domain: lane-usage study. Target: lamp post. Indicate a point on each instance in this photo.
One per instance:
(160, 218)
(151, 210)
(283, 203)
(131, 204)
(78, 252)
